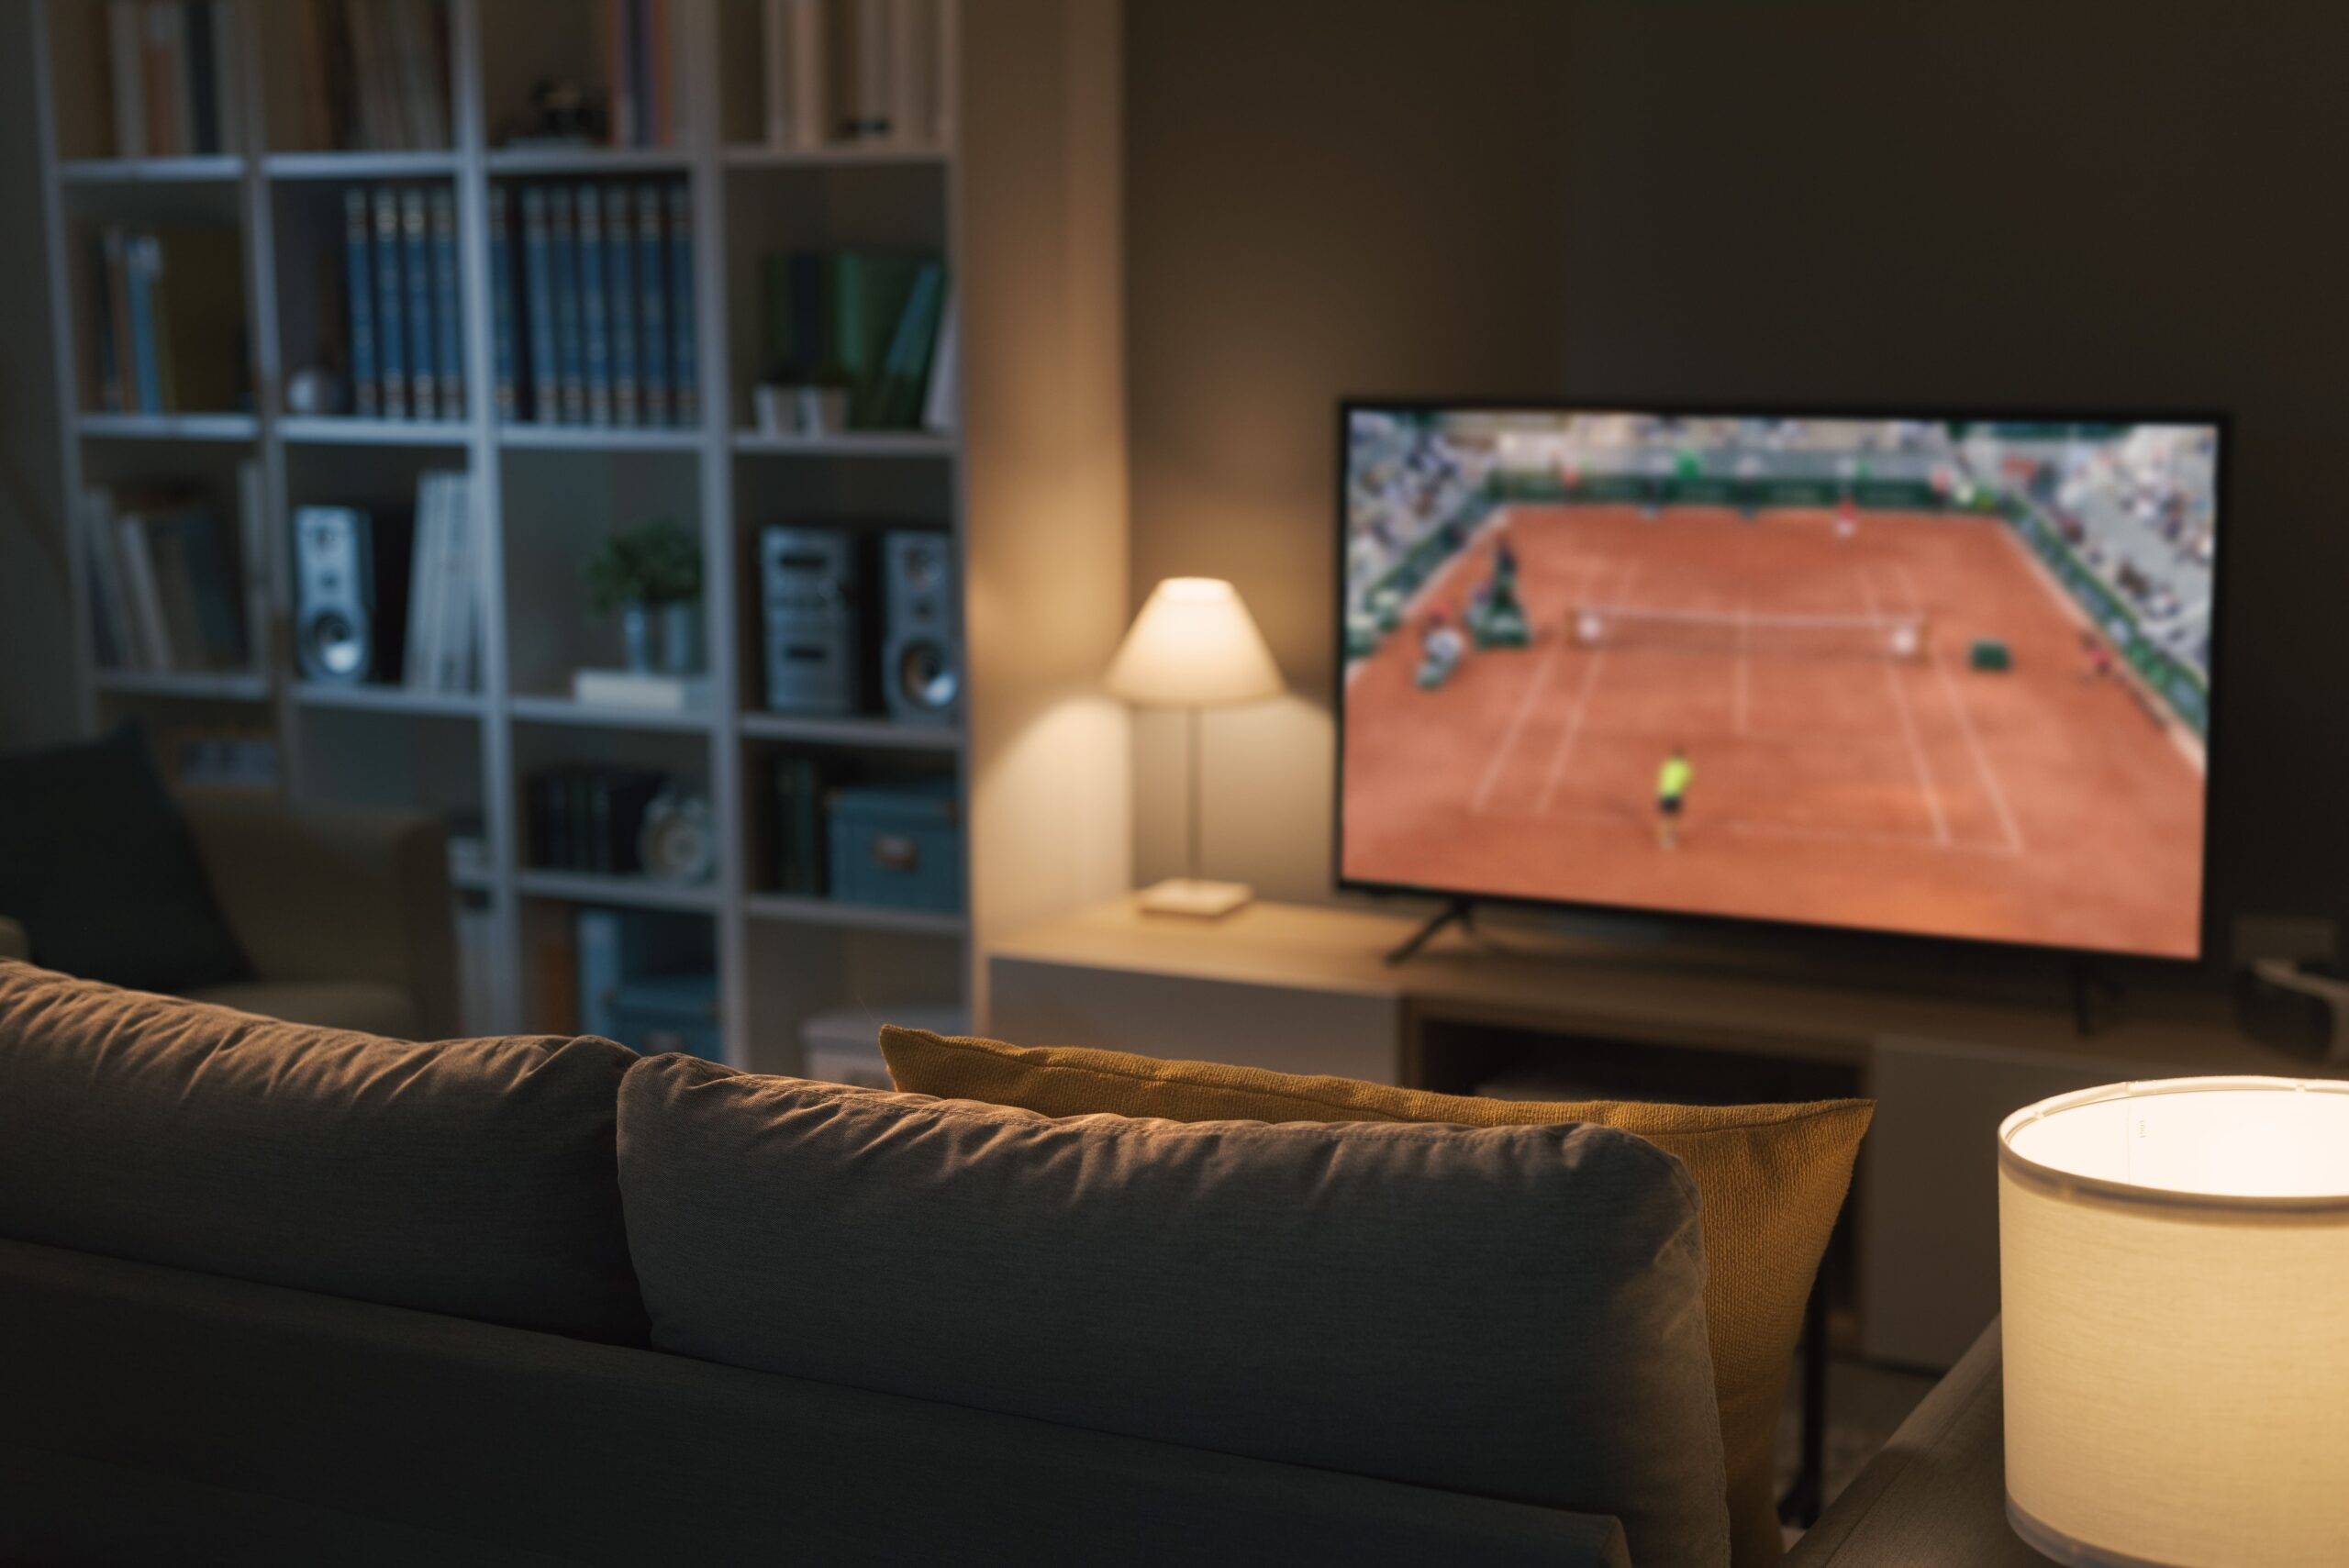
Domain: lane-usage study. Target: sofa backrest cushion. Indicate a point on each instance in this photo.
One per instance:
(1516, 1312)
(475, 1177)
(1770, 1181)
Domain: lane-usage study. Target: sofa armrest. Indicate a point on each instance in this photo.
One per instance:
(336, 895)
(14, 942)
(1937, 1492)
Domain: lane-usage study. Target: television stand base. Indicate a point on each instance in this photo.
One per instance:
(1459, 911)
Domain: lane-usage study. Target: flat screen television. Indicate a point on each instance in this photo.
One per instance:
(1945, 676)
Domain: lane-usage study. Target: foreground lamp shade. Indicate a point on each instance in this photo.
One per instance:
(2174, 1274)
(1194, 645)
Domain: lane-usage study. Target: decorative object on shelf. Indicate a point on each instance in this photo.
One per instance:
(641, 692)
(313, 393)
(679, 843)
(1194, 647)
(564, 113)
(652, 574)
(2174, 1271)
(774, 409)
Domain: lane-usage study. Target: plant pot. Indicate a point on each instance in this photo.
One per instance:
(681, 637)
(636, 636)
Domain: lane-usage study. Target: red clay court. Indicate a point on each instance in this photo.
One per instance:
(1835, 781)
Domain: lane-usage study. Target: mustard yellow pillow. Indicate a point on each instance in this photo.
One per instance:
(1770, 1180)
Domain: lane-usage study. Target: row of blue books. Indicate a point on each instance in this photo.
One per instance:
(403, 302)
(592, 304)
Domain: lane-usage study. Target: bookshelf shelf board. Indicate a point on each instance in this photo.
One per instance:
(169, 427)
(797, 910)
(585, 160)
(473, 879)
(877, 732)
(194, 685)
(340, 430)
(849, 443)
(210, 170)
(387, 699)
(601, 438)
(562, 710)
(759, 155)
(359, 165)
(630, 891)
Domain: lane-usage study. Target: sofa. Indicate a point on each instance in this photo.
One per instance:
(339, 917)
(274, 1293)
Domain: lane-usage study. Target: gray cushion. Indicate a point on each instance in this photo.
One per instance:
(473, 1177)
(1512, 1311)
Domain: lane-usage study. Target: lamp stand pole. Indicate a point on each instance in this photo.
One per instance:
(1191, 894)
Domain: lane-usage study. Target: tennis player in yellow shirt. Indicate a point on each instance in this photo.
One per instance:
(1671, 789)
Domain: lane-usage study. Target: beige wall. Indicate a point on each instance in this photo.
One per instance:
(1321, 199)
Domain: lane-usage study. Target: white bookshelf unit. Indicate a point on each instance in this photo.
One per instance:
(1017, 191)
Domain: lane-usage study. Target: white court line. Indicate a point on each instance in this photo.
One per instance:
(1483, 797)
(1582, 707)
(1743, 691)
(1965, 722)
(1908, 726)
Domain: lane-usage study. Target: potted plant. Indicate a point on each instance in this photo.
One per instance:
(648, 572)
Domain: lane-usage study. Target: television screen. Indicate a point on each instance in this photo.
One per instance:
(1948, 678)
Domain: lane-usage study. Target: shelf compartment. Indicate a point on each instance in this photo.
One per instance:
(874, 732)
(564, 711)
(849, 443)
(622, 892)
(169, 427)
(346, 430)
(195, 685)
(601, 438)
(359, 165)
(387, 699)
(216, 169)
(794, 909)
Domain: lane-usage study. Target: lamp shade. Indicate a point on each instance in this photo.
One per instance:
(2174, 1274)
(1194, 645)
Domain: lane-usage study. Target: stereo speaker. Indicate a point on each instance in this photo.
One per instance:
(350, 596)
(808, 587)
(921, 668)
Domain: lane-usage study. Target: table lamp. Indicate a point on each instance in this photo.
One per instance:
(1194, 647)
(2174, 1272)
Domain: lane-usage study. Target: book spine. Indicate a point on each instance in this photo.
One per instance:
(116, 243)
(774, 37)
(449, 324)
(118, 646)
(506, 394)
(143, 266)
(125, 57)
(593, 309)
(619, 283)
(104, 355)
(416, 260)
(423, 573)
(460, 636)
(598, 936)
(654, 374)
(941, 398)
(391, 335)
(537, 276)
(811, 113)
(684, 357)
(203, 81)
(147, 600)
(360, 291)
(562, 244)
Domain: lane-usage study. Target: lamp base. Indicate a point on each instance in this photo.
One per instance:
(1187, 896)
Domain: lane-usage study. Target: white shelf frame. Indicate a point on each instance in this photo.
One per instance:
(731, 899)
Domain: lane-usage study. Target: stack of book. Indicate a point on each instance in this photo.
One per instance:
(592, 304)
(643, 45)
(168, 77)
(403, 302)
(168, 308)
(175, 586)
(374, 74)
(870, 321)
(444, 588)
(855, 72)
(588, 817)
